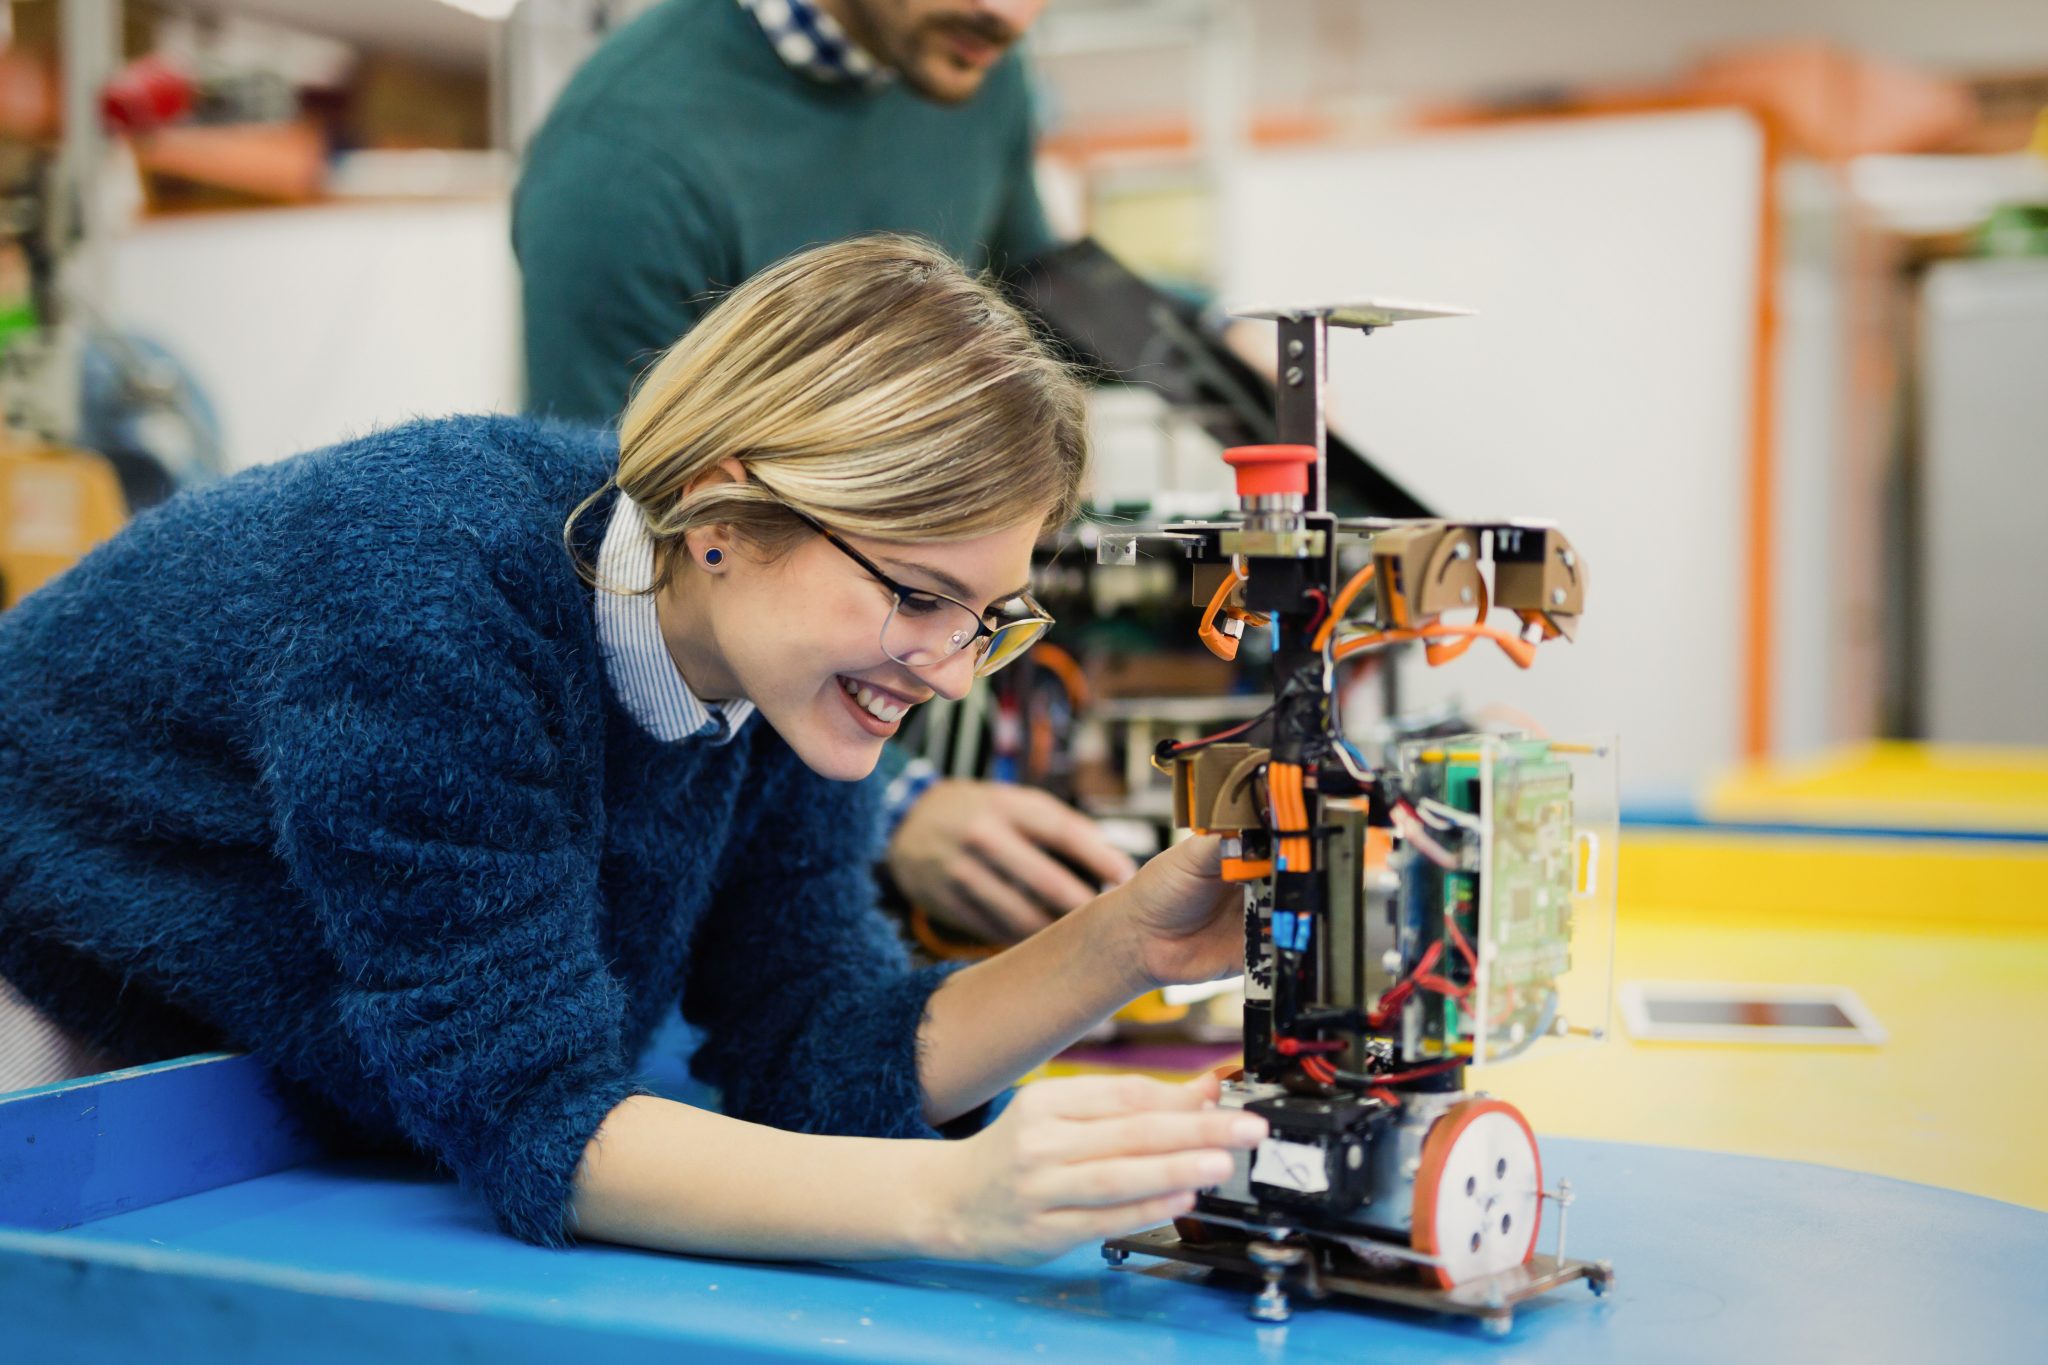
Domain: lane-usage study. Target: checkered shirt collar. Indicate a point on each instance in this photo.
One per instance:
(813, 42)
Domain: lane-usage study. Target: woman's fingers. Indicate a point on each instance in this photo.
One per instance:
(1157, 1134)
(1127, 1179)
(1079, 1225)
(1095, 1097)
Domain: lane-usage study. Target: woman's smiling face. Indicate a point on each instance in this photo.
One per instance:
(800, 634)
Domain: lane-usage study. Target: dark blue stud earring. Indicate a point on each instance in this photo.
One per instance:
(714, 557)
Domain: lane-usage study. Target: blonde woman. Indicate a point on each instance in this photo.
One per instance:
(360, 762)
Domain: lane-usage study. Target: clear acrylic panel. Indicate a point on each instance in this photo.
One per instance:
(1534, 823)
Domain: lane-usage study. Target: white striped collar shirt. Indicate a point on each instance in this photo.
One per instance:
(636, 658)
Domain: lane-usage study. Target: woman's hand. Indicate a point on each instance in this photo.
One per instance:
(1181, 921)
(1083, 1158)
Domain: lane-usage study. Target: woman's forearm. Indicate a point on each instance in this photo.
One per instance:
(991, 1023)
(667, 1176)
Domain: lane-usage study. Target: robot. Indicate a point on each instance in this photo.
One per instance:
(1445, 902)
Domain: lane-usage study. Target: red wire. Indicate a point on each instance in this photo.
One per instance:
(1443, 986)
(1417, 1074)
(1293, 1047)
(1322, 609)
(1458, 937)
(1398, 993)
(1226, 733)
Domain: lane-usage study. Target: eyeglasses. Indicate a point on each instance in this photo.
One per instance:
(924, 628)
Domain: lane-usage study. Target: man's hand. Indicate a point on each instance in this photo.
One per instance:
(978, 856)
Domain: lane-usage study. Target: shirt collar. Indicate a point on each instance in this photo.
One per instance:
(814, 43)
(636, 658)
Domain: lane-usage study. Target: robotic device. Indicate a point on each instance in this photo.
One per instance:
(1445, 903)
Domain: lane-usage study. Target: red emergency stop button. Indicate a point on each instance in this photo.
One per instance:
(1266, 470)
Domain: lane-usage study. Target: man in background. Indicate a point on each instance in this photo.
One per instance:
(707, 139)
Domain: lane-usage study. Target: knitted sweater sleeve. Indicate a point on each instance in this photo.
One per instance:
(417, 749)
(808, 1002)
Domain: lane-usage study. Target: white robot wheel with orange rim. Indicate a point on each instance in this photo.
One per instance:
(1478, 1192)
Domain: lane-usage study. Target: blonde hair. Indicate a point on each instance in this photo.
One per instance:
(871, 383)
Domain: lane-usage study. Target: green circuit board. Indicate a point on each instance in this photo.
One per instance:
(1523, 877)
(1530, 863)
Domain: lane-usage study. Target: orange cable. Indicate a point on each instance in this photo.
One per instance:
(1063, 666)
(1438, 655)
(1221, 645)
(1516, 648)
(1341, 605)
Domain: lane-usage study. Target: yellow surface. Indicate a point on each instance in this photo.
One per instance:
(1954, 1098)
(1945, 940)
(1894, 785)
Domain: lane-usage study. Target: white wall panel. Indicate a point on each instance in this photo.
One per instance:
(1605, 383)
(309, 325)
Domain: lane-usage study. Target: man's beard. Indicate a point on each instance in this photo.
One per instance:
(869, 26)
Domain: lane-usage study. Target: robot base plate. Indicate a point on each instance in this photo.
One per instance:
(1322, 1272)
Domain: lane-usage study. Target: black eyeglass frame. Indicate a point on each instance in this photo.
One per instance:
(982, 629)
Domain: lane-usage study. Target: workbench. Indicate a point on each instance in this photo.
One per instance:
(175, 1213)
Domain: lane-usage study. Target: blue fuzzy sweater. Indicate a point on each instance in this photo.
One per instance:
(322, 762)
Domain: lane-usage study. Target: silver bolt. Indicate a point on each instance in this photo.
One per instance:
(1567, 558)
(1294, 350)
(1273, 1260)
(1557, 597)
(1294, 376)
(1564, 1203)
(1462, 550)
(1464, 594)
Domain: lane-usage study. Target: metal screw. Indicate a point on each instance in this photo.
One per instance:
(1567, 558)
(1464, 594)
(1557, 597)
(1462, 550)
(1295, 349)
(1294, 376)
(1564, 1204)
(1273, 1260)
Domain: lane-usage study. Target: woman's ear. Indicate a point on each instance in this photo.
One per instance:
(731, 469)
(710, 547)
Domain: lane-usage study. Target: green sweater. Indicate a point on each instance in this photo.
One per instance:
(685, 156)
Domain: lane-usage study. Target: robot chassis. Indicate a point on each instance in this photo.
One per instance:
(1401, 920)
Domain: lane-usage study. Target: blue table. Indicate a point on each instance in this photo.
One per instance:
(274, 1256)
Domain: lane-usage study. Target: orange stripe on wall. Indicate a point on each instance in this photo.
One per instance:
(1763, 501)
